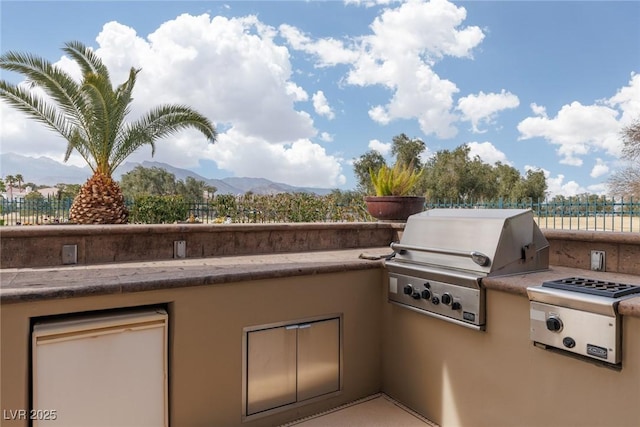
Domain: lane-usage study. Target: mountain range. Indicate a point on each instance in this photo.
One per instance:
(46, 171)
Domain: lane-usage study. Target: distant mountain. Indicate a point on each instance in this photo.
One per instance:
(42, 170)
(46, 171)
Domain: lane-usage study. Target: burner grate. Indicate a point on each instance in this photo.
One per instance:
(593, 287)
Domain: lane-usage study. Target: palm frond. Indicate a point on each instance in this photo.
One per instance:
(36, 108)
(158, 123)
(57, 84)
(89, 62)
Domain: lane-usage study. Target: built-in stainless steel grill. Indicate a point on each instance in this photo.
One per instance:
(444, 254)
(579, 315)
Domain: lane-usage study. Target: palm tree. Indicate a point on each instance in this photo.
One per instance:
(10, 179)
(90, 114)
(19, 180)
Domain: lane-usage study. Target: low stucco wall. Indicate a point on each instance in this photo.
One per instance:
(40, 246)
(205, 340)
(573, 249)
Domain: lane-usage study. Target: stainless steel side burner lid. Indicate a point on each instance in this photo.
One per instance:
(579, 315)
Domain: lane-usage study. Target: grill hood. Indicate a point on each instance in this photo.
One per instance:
(482, 242)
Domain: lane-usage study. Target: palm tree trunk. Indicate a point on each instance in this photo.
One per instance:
(100, 201)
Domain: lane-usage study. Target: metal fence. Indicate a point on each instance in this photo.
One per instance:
(601, 214)
(571, 214)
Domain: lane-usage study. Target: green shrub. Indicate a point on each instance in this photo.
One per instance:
(159, 210)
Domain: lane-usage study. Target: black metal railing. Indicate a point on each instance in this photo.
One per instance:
(608, 214)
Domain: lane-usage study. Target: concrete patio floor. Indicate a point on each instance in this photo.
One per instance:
(378, 410)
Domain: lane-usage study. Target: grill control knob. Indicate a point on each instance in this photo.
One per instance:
(435, 300)
(554, 324)
(408, 289)
(426, 294)
(446, 298)
(456, 305)
(569, 342)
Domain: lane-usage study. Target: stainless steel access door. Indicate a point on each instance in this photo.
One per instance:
(271, 368)
(318, 358)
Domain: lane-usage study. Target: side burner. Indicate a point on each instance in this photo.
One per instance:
(593, 287)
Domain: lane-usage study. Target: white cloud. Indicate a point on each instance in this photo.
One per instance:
(326, 137)
(300, 163)
(538, 110)
(329, 51)
(484, 107)
(556, 185)
(404, 43)
(579, 129)
(233, 72)
(487, 152)
(381, 147)
(321, 105)
(599, 169)
(627, 99)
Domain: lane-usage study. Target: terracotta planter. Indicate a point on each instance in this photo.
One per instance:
(394, 208)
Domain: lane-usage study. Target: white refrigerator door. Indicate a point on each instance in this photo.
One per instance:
(97, 371)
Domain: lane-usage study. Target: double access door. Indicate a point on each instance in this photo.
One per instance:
(290, 364)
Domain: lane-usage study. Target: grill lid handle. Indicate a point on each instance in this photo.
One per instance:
(477, 257)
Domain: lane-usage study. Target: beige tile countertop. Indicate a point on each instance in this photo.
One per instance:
(31, 284)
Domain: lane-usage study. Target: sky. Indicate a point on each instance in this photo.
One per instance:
(299, 89)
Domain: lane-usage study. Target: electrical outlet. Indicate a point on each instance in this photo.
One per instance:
(69, 254)
(179, 249)
(597, 260)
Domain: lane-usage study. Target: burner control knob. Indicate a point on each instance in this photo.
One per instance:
(408, 289)
(435, 300)
(456, 305)
(426, 294)
(446, 298)
(554, 324)
(569, 342)
(416, 295)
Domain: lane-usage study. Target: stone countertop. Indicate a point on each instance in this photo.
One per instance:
(33, 284)
(47, 283)
(517, 284)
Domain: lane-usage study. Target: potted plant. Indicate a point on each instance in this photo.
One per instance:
(393, 187)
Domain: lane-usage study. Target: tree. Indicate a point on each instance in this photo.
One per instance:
(453, 176)
(152, 181)
(626, 182)
(90, 114)
(407, 151)
(10, 180)
(34, 196)
(371, 160)
(507, 178)
(67, 191)
(19, 180)
(192, 190)
(532, 186)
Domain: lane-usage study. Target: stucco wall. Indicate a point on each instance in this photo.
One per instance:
(461, 377)
(206, 340)
(40, 246)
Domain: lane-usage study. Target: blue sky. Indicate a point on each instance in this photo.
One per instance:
(299, 89)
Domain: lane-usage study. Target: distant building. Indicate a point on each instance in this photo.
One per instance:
(15, 194)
